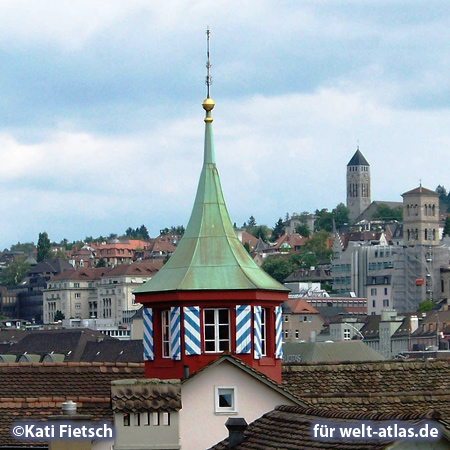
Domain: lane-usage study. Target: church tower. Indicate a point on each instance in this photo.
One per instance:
(421, 217)
(211, 298)
(358, 185)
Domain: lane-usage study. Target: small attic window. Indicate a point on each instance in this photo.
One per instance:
(225, 400)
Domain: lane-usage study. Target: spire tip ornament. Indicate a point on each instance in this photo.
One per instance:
(208, 104)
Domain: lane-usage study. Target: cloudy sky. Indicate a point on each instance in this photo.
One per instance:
(101, 125)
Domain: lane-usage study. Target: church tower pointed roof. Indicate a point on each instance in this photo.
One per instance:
(210, 256)
(358, 159)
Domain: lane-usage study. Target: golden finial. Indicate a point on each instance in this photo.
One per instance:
(208, 103)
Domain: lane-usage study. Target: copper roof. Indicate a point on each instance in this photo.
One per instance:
(210, 256)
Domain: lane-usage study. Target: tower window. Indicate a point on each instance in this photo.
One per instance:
(217, 330)
(165, 333)
(263, 331)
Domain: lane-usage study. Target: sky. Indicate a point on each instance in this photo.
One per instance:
(101, 124)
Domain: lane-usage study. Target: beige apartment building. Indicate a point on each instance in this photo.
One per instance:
(96, 293)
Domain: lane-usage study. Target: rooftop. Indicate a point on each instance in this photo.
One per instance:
(210, 256)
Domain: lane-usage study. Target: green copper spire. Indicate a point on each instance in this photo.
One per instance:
(210, 256)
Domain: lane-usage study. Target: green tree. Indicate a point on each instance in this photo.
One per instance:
(303, 229)
(278, 268)
(278, 229)
(43, 247)
(340, 215)
(446, 231)
(26, 247)
(101, 262)
(247, 246)
(425, 306)
(58, 316)
(15, 272)
(324, 220)
(259, 232)
(313, 252)
(385, 212)
(444, 198)
(251, 222)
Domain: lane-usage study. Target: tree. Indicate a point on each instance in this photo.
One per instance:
(444, 198)
(101, 262)
(278, 229)
(247, 246)
(324, 220)
(138, 233)
(303, 229)
(251, 222)
(313, 252)
(278, 268)
(446, 231)
(26, 247)
(58, 316)
(425, 306)
(340, 215)
(43, 247)
(385, 212)
(15, 272)
(259, 232)
(143, 232)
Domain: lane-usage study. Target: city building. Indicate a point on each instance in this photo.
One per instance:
(301, 321)
(99, 298)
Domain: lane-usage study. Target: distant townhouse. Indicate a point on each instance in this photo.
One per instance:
(318, 274)
(388, 333)
(115, 290)
(379, 293)
(246, 238)
(295, 220)
(96, 293)
(301, 322)
(289, 243)
(433, 331)
(73, 293)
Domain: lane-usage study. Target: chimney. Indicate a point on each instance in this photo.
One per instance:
(236, 427)
(69, 408)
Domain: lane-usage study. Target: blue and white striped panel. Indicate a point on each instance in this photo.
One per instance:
(175, 334)
(257, 342)
(149, 354)
(243, 329)
(192, 342)
(278, 333)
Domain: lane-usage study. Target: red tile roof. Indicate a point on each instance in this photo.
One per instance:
(33, 391)
(289, 427)
(387, 386)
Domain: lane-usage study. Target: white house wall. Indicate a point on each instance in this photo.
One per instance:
(200, 426)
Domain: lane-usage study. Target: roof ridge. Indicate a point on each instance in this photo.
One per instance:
(363, 415)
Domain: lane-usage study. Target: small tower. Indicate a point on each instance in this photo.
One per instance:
(358, 185)
(421, 217)
(211, 298)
